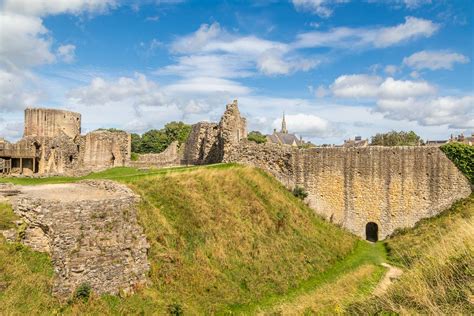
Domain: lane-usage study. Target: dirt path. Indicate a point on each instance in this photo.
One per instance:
(392, 274)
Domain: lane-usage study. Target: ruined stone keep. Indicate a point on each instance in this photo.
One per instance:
(52, 144)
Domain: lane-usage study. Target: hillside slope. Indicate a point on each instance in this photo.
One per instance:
(438, 256)
(221, 238)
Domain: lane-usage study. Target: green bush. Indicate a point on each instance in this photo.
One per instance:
(156, 141)
(83, 292)
(462, 155)
(134, 156)
(175, 309)
(395, 138)
(257, 137)
(300, 192)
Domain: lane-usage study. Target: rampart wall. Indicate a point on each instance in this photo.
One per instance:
(393, 187)
(51, 123)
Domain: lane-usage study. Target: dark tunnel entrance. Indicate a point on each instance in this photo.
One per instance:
(372, 232)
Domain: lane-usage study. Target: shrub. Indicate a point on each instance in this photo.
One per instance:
(300, 192)
(462, 155)
(257, 137)
(395, 138)
(175, 309)
(83, 292)
(134, 156)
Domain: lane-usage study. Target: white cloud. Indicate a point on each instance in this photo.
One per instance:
(400, 89)
(307, 125)
(391, 70)
(456, 112)
(24, 41)
(212, 51)
(434, 60)
(407, 100)
(344, 37)
(319, 7)
(413, 4)
(47, 7)
(67, 53)
(356, 86)
(17, 90)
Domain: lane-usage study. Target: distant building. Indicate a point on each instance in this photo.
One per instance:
(283, 137)
(356, 142)
(468, 140)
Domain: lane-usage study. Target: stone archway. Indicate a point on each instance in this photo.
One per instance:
(372, 232)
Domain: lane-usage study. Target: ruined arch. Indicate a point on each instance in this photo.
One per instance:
(372, 232)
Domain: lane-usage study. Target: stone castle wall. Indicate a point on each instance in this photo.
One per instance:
(51, 123)
(105, 149)
(210, 142)
(90, 229)
(393, 187)
(170, 157)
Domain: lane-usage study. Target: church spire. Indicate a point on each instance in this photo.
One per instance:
(283, 125)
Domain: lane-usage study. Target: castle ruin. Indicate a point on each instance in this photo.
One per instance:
(371, 191)
(52, 144)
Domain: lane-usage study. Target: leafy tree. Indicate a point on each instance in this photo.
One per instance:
(462, 155)
(156, 141)
(257, 137)
(395, 138)
(136, 142)
(177, 131)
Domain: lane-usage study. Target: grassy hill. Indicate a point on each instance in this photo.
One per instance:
(223, 239)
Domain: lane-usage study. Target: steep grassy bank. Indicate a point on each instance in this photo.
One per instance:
(221, 237)
(438, 255)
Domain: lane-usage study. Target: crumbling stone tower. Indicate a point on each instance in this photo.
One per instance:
(51, 123)
(212, 142)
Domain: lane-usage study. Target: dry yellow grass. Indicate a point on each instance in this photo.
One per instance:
(440, 261)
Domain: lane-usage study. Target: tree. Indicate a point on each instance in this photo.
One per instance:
(156, 141)
(257, 137)
(136, 142)
(177, 131)
(395, 138)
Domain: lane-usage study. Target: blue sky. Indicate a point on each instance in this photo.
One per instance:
(336, 68)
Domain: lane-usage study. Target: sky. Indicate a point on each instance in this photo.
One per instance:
(337, 69)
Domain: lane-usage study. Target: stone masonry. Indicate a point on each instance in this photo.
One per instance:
(90, 230)
(52, 144)
(393, 187)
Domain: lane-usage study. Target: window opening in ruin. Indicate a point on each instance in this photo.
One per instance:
(372, 232)
(71, 158)
(113, 160)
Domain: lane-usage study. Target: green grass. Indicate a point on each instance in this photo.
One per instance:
(364, 254)
(438, 256)
(123, 174)
(222, 237)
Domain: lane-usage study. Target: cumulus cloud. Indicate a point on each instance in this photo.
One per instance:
(434, 60)
(407, 100)
(27, 43)
(231, 53)
(344, 37)
(51, 7)
(319, 7)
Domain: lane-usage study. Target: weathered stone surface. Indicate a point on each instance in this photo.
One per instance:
(172, 156)
(51, 123)
(393, 187)
(105, 149)
(52, 145)
(91, 231)
(210, 142)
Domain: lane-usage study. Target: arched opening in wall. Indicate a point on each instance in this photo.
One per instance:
(372, 232)
(71, 158)
(112, 160)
